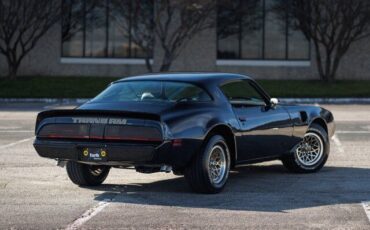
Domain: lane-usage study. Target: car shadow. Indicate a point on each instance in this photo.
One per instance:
(252, 188)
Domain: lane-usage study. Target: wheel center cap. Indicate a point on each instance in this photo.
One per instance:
(307, 147)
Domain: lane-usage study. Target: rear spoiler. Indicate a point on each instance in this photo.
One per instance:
(101, 113)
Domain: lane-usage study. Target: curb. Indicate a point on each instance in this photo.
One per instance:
(283, 100)
(344, 101)
(45, 100)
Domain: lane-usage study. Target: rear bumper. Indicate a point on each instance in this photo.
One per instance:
(119, 153)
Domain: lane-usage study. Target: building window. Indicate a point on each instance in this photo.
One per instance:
(253, 30)
(105, 28)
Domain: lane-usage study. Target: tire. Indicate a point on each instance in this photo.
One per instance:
(199, 173)
(87, 175)
(296, 161)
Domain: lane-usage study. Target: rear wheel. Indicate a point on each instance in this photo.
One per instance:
(209, 170)
(87, 175)
(311, 154)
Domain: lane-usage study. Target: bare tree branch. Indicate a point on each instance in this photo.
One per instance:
(332, 26)
(22, 24)
(173, 24)
(244, 13)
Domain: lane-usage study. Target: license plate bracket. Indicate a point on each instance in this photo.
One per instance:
(93, 154)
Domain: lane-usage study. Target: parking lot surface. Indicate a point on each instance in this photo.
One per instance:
(36, 194)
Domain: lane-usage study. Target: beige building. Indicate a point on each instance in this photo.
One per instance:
(269, 51)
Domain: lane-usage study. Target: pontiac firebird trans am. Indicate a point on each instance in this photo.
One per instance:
(199, 125)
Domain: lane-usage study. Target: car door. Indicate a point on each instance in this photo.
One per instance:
(265, 129)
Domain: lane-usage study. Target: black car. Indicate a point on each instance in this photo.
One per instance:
(196, 124)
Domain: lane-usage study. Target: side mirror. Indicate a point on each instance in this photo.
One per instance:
(274, 101)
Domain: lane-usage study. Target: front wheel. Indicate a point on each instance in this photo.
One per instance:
(87, 175)
(311, 154)
(209, 170)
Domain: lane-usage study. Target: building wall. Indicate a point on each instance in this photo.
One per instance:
(356, 64)
(46, 60)
(198, 55)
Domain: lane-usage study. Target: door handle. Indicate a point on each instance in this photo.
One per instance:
(242, 119)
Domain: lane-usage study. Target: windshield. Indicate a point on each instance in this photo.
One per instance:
(163, 91)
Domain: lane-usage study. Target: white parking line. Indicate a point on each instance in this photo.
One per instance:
(353, 132)
(16, 131)
(338, 143)
(15, 143)
(88, 215)
(366, 206)
(9, 127)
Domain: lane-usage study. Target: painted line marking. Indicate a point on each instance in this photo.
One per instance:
(87, 215)
(15, 143)
(353, 132)
(9, 127)
(16, 131)
(366, 206)
(338, 143)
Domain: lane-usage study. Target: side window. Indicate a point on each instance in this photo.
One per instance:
(175, 91)
(242, 92)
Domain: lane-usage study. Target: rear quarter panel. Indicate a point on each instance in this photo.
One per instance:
(191, 123)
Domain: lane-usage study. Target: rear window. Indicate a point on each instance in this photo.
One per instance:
(164, 91)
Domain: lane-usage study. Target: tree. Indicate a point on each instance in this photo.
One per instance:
(331, 25)
(71, 17)
(22, 24)
(138, 17)
(170, 24)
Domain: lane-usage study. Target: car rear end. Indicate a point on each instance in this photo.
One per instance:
(112, 138)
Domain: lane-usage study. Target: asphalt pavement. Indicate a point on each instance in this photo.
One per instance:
(36, 194)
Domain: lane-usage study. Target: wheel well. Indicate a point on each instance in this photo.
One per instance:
(226, 133)
(321, 122)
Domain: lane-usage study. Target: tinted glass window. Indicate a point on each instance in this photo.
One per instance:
(239, 36)
(254, 30)
(242, 92)
(275, 33)
(153, 91)
(107, 28)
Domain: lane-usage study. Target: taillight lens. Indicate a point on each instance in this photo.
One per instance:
(80, 131)
(135, 133)
(109, 132)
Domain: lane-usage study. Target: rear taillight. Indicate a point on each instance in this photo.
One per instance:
(101, 132)
(80, 131)
(177, 143)
(133, 133)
